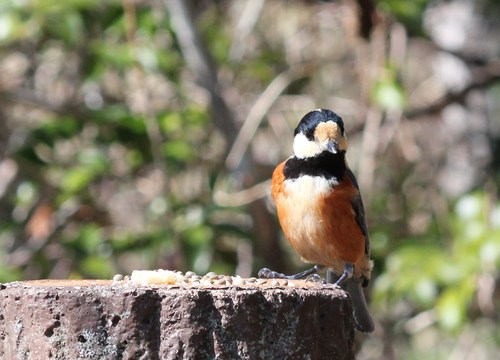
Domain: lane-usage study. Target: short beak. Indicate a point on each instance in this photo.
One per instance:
(332, 146)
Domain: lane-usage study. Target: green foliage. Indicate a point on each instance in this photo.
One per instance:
(184, 131)
(113, 138)
(71, 153)
(408, 12)
(387, 92)
(446, 277)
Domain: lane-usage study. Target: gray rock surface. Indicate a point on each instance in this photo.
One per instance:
(91, 319)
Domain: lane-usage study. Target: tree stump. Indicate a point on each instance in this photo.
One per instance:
(96, 319)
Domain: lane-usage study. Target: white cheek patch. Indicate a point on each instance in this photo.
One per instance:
(303, 147)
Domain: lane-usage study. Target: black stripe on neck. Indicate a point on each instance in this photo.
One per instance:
(325, 164)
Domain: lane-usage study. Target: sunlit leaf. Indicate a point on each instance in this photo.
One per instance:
(389, 95)
(452, 305)
(199, 235)
(171, 122)
(178, 150)
(96, 267)
(90, 238)
(76, 179)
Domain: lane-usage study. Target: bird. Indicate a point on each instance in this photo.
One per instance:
(321, 211)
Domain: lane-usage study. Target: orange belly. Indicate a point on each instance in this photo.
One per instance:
(319, 223)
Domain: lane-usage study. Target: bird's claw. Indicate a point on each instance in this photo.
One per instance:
(269, 274)
(316, 279)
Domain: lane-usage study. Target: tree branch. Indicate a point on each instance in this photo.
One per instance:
(482, 78)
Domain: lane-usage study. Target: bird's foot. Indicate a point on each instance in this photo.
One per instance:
(269, 274)
(347, 274)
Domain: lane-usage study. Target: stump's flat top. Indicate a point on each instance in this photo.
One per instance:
(161, 280)
(260, 284)
(63, 282)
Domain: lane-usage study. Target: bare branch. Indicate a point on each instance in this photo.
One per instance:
(246, 23)
(260, 109)
(483, 78)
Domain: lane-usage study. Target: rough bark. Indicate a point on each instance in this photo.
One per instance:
(104, 320)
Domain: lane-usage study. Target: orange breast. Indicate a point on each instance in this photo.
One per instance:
(340, 226)
(318, 222)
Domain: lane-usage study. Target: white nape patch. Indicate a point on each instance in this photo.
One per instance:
(303, 147)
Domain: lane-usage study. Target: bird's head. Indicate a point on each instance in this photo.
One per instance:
(319, 130)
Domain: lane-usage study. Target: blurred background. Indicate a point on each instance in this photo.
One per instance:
(142, 134)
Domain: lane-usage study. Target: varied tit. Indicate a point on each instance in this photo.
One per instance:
(320, 209)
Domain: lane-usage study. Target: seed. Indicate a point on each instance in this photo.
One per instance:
(238, 281)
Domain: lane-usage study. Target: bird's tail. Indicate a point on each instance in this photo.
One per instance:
(364, 322)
